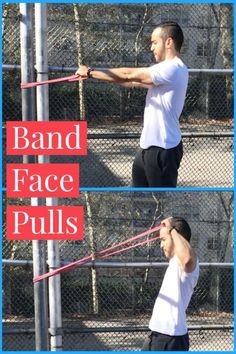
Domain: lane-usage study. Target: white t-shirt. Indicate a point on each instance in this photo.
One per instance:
(169, 312)
(164, 104)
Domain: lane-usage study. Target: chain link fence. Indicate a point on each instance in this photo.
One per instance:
(107, 35)
(106, 305)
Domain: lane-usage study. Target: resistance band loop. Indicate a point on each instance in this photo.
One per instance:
(103, 253)
(130, 247)
(53, 81)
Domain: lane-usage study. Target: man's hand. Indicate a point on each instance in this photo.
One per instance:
(182, 248)
(82, 71)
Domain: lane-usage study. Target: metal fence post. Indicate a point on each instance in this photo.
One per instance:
(28, 114)
(27, 65)
(40, 295)
(54, 293)
(43, 115)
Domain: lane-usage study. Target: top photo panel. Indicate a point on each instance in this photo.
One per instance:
(153, 82)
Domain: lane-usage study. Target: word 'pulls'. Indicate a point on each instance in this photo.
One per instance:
(45, 223)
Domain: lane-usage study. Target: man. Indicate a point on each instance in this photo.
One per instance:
(168, 322)
(158, 159)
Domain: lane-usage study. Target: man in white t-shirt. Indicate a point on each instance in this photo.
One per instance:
(168, 322)
(158, 159)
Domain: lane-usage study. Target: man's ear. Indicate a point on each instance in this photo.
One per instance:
(169, 42)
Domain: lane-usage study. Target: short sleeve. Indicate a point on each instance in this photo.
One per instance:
(163, 73)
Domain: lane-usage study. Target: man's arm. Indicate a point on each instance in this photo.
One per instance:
(135, 84)
(118, 75)
(182, 248)
(184, 252)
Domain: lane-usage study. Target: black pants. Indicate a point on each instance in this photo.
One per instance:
(157, 167)
(162, 342)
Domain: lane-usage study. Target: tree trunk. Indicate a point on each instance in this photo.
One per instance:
(92, 250)
(157, 215)
(226, 11)
(226, 245)
(77, 8)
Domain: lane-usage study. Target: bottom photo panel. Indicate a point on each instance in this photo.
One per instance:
(154, 272)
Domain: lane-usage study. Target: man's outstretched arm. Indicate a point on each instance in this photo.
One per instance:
(131, 77)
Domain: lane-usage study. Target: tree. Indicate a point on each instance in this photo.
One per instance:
(78, 33)
(226, 28)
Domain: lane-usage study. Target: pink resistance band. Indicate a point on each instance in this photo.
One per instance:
(53, 81)
(103, 253)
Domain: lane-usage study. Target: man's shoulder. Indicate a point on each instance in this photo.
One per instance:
(171, 66)
(191, 269)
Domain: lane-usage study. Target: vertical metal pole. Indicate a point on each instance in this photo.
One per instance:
(27, 65)
(54, 292)
(40, 293)
(28, 114)
(39, 247)
(43, 115)
(41, 63)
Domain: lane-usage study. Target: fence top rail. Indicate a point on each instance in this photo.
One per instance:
(25, 263)
(68, 330)
(194, 135)
(10, 67)
(224, 134)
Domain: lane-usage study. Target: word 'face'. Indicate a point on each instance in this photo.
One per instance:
(42, 180)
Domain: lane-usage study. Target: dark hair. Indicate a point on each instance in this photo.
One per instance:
(173, 30)
(181, 226)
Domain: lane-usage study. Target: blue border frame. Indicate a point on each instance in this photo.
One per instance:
(1, 180)
(3, 189)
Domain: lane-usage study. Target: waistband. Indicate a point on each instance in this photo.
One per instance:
(157, 334)
(159, 147)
